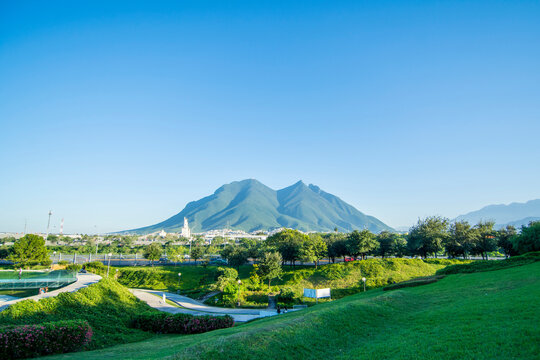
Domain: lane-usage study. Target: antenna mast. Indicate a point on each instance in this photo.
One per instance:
(48, 224)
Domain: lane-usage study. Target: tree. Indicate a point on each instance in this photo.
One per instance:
(529, 239)
(361, 243)
(427, 236)
(387, 243)
(29, 250)
(152, 252)
(314, 249)
(52, 238)
(197, 252)
(225, 276)
(252, 247)
(336, 245)
(288, 243)
(237, 257)
(486, 240)
(270, 266)
(505, 240)
(218, 240)
(461, 239)
(400, 246)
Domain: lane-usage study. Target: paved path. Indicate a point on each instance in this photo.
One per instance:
(83, 280)
(194, 307)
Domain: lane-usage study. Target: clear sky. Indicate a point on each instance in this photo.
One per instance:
(116, 114)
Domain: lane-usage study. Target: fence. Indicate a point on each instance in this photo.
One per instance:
(117, 259)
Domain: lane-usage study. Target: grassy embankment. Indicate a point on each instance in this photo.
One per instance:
(343, 278)
(481, 315)
(107, 306)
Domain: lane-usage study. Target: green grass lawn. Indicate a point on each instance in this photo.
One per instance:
(483, 315)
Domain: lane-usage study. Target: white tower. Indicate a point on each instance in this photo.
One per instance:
(185, 229)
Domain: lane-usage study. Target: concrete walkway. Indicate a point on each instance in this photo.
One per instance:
(190, 306)
(83, 280)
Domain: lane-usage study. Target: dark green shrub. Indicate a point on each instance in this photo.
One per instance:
(286, 295)
(46, 262)
(24, 341)
(163, 323)
(74, 267)
(414, 282)
(490, 265)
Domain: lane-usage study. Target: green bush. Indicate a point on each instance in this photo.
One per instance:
(162, 323)
(257, 298)
(414, 282)
(63, 262)
(74, 267)
(490, 265)
(286, 295)
(334, 272)
(96, 267)
(24, 341)
(46, 262)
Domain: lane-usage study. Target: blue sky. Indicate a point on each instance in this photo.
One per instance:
(116, 114)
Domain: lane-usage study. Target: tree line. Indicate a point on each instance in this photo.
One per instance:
(429, 237)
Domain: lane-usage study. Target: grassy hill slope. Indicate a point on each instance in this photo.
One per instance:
(107, 306)
(485, 315)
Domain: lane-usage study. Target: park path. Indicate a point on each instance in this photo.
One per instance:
(83, 280)
(190, 306)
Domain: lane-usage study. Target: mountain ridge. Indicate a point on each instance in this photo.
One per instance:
(515, 213)
(250, 205)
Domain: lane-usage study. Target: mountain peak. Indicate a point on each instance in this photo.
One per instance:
(250, 205)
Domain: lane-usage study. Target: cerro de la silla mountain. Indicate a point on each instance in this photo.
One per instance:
(250, 205)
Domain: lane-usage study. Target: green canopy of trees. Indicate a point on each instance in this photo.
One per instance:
(29, 250)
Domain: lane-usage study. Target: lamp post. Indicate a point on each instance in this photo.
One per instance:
(109, 263)
(238, 294)
(54, 254)
(116, 275)
(364, 280)
(179, 275)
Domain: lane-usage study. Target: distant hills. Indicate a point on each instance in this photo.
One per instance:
(250, 205)
(516, 214)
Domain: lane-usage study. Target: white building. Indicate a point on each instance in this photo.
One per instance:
(185, 229)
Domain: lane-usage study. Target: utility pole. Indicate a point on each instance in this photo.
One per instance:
(48, 224)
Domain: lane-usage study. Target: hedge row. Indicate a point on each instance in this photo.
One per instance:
(414, 282)
(24, 341)
(491, 265)
(181, 323)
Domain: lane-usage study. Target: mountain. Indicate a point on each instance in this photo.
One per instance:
(250, 205)
(516, 214)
